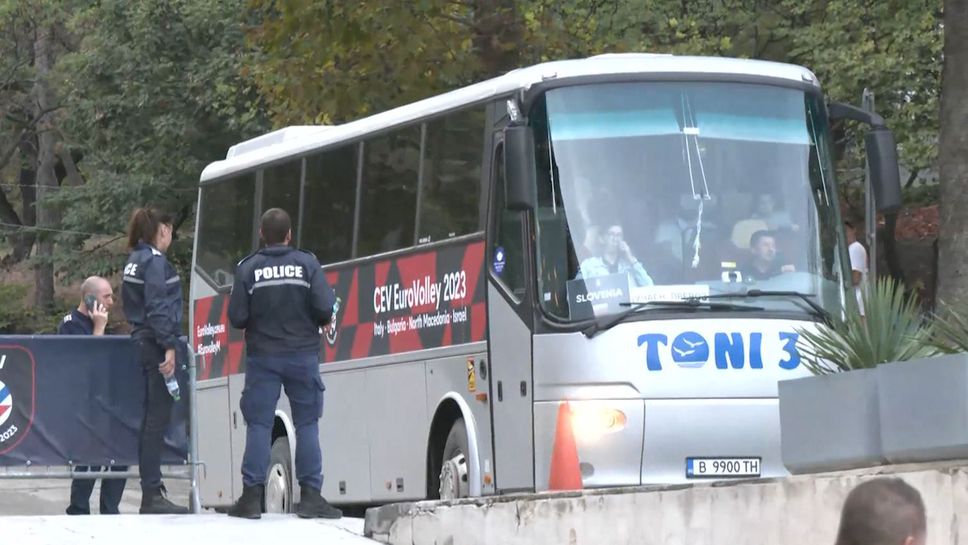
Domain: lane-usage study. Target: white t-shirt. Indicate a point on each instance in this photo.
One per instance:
(858, 262)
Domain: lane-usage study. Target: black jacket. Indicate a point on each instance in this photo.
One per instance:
(76, 323)
(151, 296)
(280, 297)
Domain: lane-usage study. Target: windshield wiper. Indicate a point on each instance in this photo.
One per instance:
(815, 308)
(607, 322)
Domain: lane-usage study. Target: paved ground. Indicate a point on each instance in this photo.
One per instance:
(169, 529)
(51, 496)
(32, 510)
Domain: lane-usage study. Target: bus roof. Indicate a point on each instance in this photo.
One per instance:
(300, 140)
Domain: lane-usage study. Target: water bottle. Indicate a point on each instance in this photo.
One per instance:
(172, 384)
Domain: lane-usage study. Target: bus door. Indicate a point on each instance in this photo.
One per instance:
(509, 314)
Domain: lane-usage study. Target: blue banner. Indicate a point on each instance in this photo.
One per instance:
(78, 400)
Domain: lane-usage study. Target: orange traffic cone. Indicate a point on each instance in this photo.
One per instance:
(565, 472)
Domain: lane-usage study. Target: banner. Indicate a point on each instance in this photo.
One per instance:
(78, 400)
(412, 301)
(409, 302)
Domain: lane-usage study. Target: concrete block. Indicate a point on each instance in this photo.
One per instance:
(798, 509)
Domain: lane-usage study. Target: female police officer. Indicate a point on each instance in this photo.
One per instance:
(151, 295)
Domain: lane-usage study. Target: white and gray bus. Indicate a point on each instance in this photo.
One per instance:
(640, 236)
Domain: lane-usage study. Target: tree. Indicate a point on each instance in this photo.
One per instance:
(47, 216)
(36, 39)
(953, 241)
(18, 136)
(154, 93)
(330, 61)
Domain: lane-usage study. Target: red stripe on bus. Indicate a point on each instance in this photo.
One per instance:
(405, 341)
(202, 308)
(473, 264)
(419, 270)
(448, 336)
(352, 303)
(478, 321)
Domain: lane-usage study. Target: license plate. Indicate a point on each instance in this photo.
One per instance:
(712, 468)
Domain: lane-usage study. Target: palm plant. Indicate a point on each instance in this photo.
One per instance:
(893, 330)
(950, 331)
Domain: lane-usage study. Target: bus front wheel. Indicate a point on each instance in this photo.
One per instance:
(278, 498)
(453, 469)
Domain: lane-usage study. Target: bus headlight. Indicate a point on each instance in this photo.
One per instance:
(590, 421)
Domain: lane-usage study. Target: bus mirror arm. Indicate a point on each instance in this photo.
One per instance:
(838, 110)
(881, 154)
(520, 172)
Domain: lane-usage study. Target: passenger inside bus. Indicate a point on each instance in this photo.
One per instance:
(670, 230)
(765, 217)
(615, 257)
(676, 257)
(776, 218)
(592, 241)
(764, 262)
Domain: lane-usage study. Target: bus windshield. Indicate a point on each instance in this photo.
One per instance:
(661, 191)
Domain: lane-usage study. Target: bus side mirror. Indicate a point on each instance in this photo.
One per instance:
(520, 172)
(881, 154)
(885, 178)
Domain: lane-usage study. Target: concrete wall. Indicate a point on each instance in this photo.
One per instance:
(801, 509)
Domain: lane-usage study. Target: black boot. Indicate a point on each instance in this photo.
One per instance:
(249, 505)
(154, 502)
(313, 506)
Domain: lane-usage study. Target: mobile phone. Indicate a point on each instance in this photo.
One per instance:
(89, 301)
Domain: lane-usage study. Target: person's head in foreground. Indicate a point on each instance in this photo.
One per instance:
(883, 511)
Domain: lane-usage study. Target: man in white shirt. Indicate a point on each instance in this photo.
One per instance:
(858, 264)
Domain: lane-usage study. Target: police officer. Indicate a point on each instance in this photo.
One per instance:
(152, 300)
(280, 297)
(91, 318)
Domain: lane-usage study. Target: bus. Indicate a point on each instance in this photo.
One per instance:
(606, 262)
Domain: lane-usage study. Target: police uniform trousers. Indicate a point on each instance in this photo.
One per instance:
(299, 375)
(157, 413)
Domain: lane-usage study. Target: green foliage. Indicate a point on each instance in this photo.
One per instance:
(150, 92)
(154, 93)
(892, 48)
(329, 61)
(18, 315)
(333, 61)
(951, 331)
(893, 330)
(12, 310)
(921, 195)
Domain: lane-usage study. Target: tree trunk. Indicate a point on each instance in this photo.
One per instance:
(28, 199)
(953, 157)
(8, 215)
(70, 175)
(46, 177)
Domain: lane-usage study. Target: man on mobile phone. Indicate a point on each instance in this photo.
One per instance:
(91, 318)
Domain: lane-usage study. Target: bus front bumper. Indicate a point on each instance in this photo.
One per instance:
(629, 442)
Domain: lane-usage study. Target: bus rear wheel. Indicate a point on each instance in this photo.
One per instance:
(278, 498)
(454, 478)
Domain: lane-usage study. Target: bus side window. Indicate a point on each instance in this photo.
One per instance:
(389, 201)
(329, 203)
(280, 189)
(225, 227)
(507, 255)
(450, 194)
